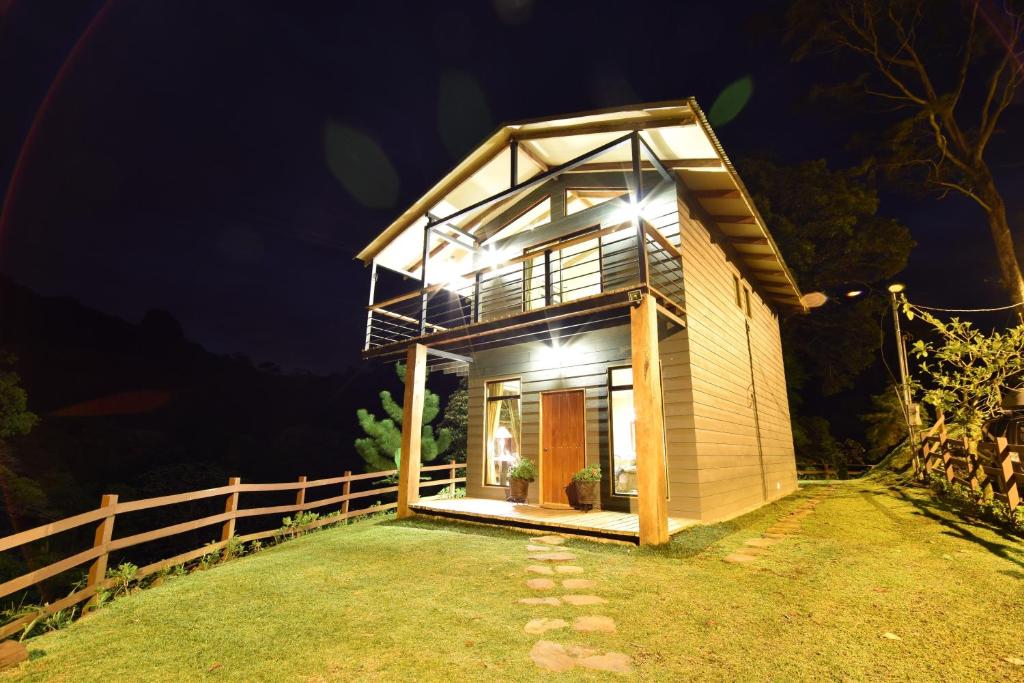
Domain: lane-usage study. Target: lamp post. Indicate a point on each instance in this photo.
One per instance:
(901, 351)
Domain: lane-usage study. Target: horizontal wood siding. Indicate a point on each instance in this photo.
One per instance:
(585, 361)
(724, 445)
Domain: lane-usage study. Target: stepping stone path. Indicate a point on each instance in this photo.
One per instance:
(551, 656)
(554, 657)
(549, 540)
(538, 626)
(581, 600)
(594, 624)
(554, 557)
(554, 602)
(789, 524)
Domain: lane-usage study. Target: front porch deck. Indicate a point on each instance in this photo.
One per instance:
(623, 526)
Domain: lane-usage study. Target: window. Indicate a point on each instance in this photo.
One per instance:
(502, 429)
(737, 288)
(622, 419)
(746, 301)
(575, 271)
(579, 199)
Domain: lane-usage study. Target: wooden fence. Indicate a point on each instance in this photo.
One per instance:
(997, 467)
(827, 472)
(110, 507)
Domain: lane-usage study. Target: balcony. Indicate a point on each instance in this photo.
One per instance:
(567, 276)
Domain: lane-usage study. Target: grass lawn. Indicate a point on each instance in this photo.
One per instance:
(436, 601)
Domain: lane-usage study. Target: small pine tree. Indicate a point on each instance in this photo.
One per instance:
(381, 448)
(456, 420)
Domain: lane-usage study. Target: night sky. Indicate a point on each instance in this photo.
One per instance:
(200, 157)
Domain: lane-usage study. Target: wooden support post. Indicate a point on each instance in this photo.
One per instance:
(230, 506)
(300, 495)
(104, 532)
(451, 475)
(412, 427)
(652, 487)
(1008, 483)
(346, 489)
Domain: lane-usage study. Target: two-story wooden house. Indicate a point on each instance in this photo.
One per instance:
(614, 296)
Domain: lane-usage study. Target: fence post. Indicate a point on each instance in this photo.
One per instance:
(947, 463)
(300, 495)
(1007, 478)
(973, 464)
(104, 532)
(346, 489)
(230, 506)
(451, 475)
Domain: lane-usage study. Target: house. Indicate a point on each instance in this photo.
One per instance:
(606, 283)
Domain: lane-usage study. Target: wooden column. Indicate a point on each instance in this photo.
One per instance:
(652, 486)
(300, 495)
(412, 428)
(104, 532)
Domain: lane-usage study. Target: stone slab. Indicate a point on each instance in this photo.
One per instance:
(540, 569)
(594, 624)
(549, 540)
(551, 656)
(561, 556)
(538, 626)
(580, 600)
(568, 569)
(553, 602)
(614, 662)
(540, 584)
(740, 558)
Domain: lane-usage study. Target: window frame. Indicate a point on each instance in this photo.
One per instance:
(486, 400)
(540, 250)
(611, 431)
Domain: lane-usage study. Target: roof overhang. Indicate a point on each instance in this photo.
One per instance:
(677, 131)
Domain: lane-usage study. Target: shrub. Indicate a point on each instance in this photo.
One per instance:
(977, 504)
(523, 469)
(588, 473)
(123, 576)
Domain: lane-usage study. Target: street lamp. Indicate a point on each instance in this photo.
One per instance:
(901, 351)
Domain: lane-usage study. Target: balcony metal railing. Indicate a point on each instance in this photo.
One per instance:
(575, 269)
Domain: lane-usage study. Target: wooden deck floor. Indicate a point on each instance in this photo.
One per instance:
(622, 525)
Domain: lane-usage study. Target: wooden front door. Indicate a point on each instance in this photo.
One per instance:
(562, 443)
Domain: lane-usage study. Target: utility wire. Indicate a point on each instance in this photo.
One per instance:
(967, 310)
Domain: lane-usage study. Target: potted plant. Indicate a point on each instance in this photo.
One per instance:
(587, 482)
(519, 476)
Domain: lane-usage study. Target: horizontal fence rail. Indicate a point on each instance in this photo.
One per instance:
(829, 472)
(996, 469)
(110, 507)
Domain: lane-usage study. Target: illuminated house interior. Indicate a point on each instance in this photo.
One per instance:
(611, 292)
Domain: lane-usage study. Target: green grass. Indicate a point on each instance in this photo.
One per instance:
(422, 600)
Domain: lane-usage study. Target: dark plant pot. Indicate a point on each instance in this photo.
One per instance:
(587, 493)
(518, 490)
